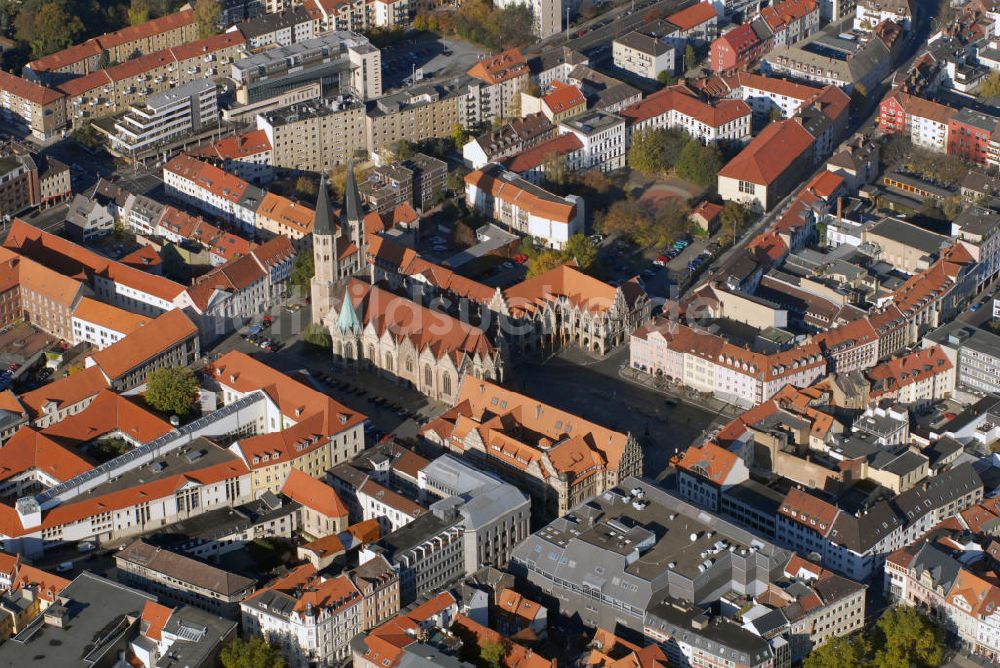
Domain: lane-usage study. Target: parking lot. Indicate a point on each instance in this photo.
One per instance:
(20, 346)
(436, 57)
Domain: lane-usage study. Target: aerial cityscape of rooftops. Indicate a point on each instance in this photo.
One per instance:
(500, 333)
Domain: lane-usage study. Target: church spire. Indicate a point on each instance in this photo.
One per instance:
(348, 321)
(352, 199)
(324, 214)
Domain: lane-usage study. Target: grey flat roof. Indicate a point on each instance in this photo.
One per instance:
(644, 43)
(181, 92)
(911, 235)
(96, 607)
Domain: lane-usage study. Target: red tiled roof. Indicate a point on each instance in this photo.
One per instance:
(809, 511)
(296, 401)
(309, 590)
(235, 147)
(29, 450)
(209, 177)
(564, 97)
(314, 494)
(501, 67)
(693, 16)
(536, 156)
(70, 259)
(144, 257)
(826, 184)
(524, 197)
(709, 461)
(27, 90)
(685, 101)
(154, 619)
(65, 391)
(297, 216)
(907, 369)
(108, 316)
(109, 413)
(921, 108)
(770, 153)
(94, 46)
(707, 211)
(162, 334)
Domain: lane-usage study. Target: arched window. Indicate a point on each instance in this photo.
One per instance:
(446, 383)
(348, 350)
(428, 376)
(388, 362)
(409, 364)
(371, 352)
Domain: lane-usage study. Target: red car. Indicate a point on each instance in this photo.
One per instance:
(13, 366)
(661, 261)
(520, 259)
(267, 321)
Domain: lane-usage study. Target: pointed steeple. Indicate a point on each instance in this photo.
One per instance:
(324, 214)
(348, 321)
(352, 198)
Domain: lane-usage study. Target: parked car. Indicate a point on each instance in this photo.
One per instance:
(661, 260)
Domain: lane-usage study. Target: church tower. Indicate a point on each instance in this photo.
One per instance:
(353, 215)
(326, 271)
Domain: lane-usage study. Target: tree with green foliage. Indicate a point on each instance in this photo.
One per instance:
(50, 29)
(907, 638)
(666, 78)
(207, 14)
(303, 270)
(690, 58)
(404, 149)
(646, 154)
(674, 141)
(138, 12)
(733, 219)
(952, 207)
(580, 248)
(990, 86)
(478, 21)
(699, 164)
(306, 187)
(455, 182)
(645, 225)
(254, 652)
(171, 390)
(86, 136)
(544, 261)
(555, 173)
(491, 654)
(459, 136)
(839, 652)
